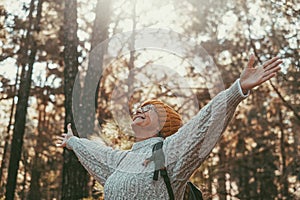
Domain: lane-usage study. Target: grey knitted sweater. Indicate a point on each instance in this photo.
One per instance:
(122, 172)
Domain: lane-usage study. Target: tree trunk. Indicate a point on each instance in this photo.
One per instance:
(221, 174)
(35, 192)
(8, 137)
(75, 177)
(24, 160)
(21, 108)
(95, 67)
(130, 79)
(210, 178)
(36, 170)
(285, 182)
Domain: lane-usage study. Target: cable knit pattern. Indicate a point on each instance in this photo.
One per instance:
(122, 172)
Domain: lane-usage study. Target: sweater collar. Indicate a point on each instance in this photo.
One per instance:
(148, 142)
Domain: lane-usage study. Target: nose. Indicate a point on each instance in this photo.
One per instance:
(138, 111)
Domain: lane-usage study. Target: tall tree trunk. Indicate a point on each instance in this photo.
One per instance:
(34, 192)
(132, 50)
(221, 174)
(210, 178)
(101, 23)
(24, 160)
(132, 39)
(36, 169)
(95, 68)
(8, 137)
(75, 177)
(23, 94)
(285, 183)
(244, 192)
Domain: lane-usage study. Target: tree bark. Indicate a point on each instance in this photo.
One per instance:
(222, 193)
(24, 160)
(75, 177)
(8, 137)
(95, 68)
(36, 170)
(285, 182)
(130, 79)
(23, 94)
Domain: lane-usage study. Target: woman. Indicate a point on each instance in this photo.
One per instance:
(125, 174)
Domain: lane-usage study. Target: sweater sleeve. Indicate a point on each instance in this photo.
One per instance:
(98, 159)
(188, 148)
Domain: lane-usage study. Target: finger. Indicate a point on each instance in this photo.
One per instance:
(273, 65)
(69, 127)
(268, 62)
(63, 135)
(273, 71)
(268, 77)
(251, 61)
(58, 144)
(60, 138)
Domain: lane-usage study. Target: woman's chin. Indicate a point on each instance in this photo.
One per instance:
(139, 138)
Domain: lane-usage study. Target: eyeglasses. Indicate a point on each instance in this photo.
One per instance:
(144, 109)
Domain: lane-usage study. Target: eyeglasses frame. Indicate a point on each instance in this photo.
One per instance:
(144, 109)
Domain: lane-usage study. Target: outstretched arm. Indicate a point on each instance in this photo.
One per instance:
(189, 147)
(98, 159)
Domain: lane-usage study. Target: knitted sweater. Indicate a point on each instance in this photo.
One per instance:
(124, 176)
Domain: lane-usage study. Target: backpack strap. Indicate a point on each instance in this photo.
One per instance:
(159, 160)
(164, 174)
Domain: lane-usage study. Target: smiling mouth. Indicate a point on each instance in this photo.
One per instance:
(142, 117)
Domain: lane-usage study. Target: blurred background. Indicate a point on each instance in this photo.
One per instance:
(45, 44)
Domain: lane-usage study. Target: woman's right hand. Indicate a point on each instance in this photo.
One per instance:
(62, 140)
(253, 76)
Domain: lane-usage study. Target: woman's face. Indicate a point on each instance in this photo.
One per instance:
(145, 122)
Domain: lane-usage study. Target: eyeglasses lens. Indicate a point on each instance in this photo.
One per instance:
(143, 109)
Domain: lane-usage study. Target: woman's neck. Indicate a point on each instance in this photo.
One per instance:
(137, 139)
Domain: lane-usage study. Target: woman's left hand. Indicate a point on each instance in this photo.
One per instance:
(253, 76)
(62, 140)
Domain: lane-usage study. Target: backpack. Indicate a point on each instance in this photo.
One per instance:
(191, 191)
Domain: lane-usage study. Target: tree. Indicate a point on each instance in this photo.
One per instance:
(258, 156)
(75, 177)
(89, 96)
(28, 60)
